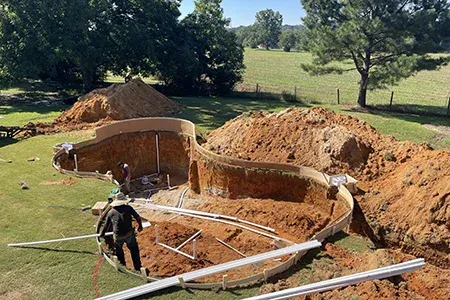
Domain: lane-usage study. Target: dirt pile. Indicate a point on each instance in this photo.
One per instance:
(405, 187)
(294, 136)
(134, 99)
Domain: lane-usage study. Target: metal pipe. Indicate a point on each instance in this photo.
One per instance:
(144, 225)
(176, 251)
(76, 162)
(190, 276)
(59, 240)
(189, 239)
(157, 154)
(206, 214)
(344, 281)
(228, 246)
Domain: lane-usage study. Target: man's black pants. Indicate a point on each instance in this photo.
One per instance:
(134, 250)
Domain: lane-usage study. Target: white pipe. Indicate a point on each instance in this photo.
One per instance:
(168, 181)
(344, 281)
(232, 224)
(176, 251)
(205, 214)
(157, 154)
(189, 239)
(228, 246)
(195, 248)
(181, 201)
(144, 225)
(76, 162)
(190, 276)
(59, 240)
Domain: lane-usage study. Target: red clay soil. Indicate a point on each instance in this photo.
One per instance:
(134, 99)
(163, 262)
(405, 187)
(294, 221)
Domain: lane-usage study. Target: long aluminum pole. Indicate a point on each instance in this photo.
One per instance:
(59, 240)
(344, 281)
(144, 225)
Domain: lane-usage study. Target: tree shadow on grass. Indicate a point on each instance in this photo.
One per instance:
(211, 113)
(420, 115)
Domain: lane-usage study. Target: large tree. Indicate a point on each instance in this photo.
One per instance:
(268, 24)
(387, 40)
(54, 37)
(212, 58)
(288, 40)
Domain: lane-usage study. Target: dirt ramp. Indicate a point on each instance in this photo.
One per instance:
(134, 99)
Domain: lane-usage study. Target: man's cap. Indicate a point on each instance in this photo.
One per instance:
(119, 200)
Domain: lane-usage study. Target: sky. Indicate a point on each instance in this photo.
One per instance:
(242, 12)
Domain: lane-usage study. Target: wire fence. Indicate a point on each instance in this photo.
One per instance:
(429, 103)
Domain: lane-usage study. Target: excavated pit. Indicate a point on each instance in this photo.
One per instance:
(297, 207)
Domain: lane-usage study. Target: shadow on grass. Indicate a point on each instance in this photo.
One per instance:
(437, 120)
(192, 294)
(40, 109)
(211, 113)
(6, 142)
(304, 262)
(59, 250)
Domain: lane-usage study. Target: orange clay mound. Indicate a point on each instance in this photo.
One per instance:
(134, 99)
(405, 187)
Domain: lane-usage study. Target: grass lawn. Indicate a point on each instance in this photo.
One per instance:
(66, 270)
(276, 71)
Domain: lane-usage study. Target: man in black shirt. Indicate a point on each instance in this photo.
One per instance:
(120, 217)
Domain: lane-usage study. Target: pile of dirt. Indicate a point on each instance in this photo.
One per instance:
(405, 189)
(131, 100)
(134, 99)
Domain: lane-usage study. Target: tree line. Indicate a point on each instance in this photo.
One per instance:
(269, 32)
(83, 40)
(386, 40)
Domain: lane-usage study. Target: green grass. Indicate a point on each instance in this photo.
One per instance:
(19, 116)
(211, 113)
(64, 271)
(352, 243)
(276, 71)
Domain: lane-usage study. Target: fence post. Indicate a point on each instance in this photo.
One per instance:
(448, 106)
(295, 93)
(338, 96)
(392, 100)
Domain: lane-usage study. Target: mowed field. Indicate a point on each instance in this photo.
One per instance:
(276, 71)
